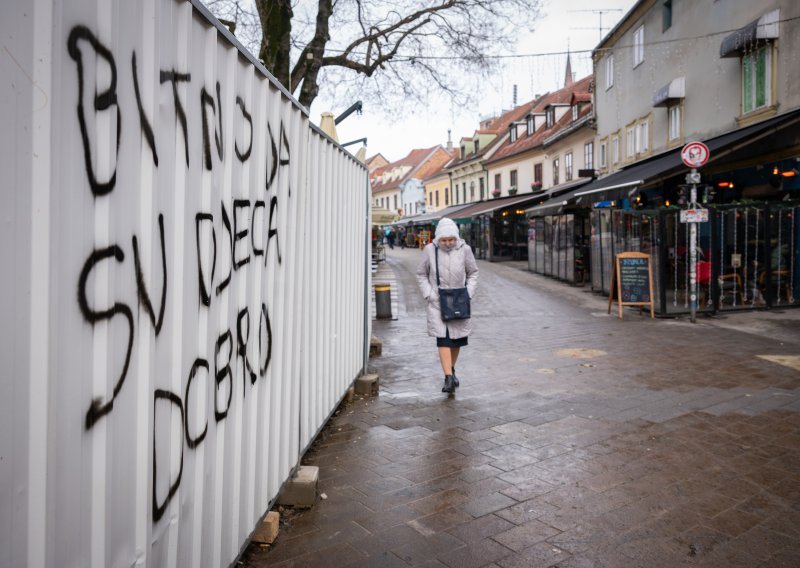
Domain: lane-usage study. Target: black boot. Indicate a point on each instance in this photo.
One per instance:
(449, 385)
(456, 383)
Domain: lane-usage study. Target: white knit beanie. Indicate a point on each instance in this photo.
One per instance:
(446, 228)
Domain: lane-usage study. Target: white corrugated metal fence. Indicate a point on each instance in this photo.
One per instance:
(184, 264)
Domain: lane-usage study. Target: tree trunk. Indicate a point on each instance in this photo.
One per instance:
(276, 24)
(312, 55)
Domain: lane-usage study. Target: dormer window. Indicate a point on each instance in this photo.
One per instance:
(530, 125)
(463, 152)
(512, 133)
(551, 117)
(477, 145)
(575, 113)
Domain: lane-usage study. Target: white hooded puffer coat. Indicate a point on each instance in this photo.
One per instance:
(455, 267)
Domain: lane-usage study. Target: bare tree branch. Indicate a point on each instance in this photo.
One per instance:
(396, 44)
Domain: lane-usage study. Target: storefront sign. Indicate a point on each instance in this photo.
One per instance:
(632, 282)
(694, 216)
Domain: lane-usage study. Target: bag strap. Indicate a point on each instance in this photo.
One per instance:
(438, 284)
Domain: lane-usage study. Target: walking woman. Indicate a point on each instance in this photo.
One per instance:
(456, 266)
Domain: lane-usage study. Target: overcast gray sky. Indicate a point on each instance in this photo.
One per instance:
(565, 24)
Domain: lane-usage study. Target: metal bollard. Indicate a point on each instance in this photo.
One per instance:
(383, 301)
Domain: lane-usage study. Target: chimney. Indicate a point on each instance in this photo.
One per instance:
(449, 142)
(514, 101)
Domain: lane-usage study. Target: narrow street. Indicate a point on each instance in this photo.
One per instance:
(576, 439)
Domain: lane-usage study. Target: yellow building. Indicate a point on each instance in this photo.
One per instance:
(437, 191)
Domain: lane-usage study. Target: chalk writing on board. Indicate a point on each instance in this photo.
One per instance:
(634, 279)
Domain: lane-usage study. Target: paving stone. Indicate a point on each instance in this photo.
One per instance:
(480, 528)
(475, 555)
(525, 535)
(487, 504)
(619, 464)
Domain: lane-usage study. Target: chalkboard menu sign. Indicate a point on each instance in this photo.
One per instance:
(632, 281)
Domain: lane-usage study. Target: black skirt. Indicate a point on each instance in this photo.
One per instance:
(448, 342)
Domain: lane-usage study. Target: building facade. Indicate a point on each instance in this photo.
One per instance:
(723, 73)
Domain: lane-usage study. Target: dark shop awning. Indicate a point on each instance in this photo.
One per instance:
(751, 36)
(490, 205)
(434, 216)
(649, 172)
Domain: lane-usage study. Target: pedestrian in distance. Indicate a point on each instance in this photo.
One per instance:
(456, 269)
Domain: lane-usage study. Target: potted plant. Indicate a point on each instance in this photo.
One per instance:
(536, 186)
(512, 190)
(496, 192)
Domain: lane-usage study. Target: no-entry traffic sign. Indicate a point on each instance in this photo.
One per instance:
(695, 154)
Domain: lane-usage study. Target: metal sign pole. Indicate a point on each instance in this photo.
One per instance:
(694, 155)
(693, 249)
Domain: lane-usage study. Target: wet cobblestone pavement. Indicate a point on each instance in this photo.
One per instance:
(575, 440)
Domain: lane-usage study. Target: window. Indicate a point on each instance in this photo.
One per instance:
(574, 113)
(630, 141)
(530, 125)
(674, 115)
(609, 71)
(395, 202)
(666, 13)
(568, 166)
(472, 191)
(512, 178)
(477, 145)
(551, 117)
(537, 173)
(437, 198)
(642, 135)
(588, 155)
(464, 192)
(481, 188)
(446, 196)
(615, 149)
(463, 152)
(512, 133)
(497, 182)
(756, 79)
(555, 171)
(603, 154)
(638, 46)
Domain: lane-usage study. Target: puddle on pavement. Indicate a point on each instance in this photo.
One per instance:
(580, 353)
(791, 361)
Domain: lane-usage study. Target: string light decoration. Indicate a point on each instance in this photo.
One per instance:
(675, 255)
(735, 251)
(686, 268)
(755, 260)
(792, 214)
(780, 257)
(721, 253)
(745, 267)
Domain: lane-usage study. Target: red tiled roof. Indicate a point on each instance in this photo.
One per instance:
(421, 161)
(562, 96)
(581, 98)
(499, 126)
